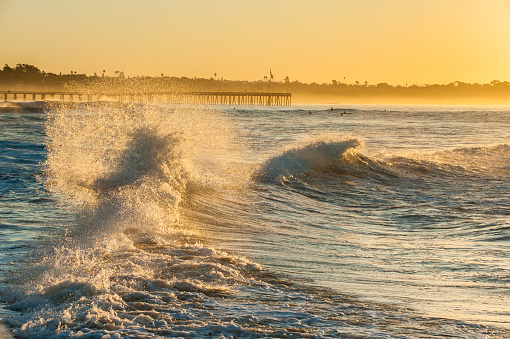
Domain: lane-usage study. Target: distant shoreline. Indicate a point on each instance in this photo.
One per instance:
(30, 78)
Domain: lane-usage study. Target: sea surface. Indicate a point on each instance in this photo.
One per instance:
(309, 221)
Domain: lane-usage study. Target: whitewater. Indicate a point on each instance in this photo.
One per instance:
(310, 221)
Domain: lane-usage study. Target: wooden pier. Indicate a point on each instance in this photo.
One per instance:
(200, 98)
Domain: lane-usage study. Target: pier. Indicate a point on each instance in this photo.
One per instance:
(201, 98)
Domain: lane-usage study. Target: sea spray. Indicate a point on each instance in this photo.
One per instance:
(123, 171)
(95, 151)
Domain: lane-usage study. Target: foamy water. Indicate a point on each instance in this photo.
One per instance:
(176, 221)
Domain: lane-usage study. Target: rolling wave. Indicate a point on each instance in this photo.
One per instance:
(343, 158)
(22, 107)
(314, 156)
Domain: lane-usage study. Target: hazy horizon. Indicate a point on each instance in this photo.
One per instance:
(25, 77)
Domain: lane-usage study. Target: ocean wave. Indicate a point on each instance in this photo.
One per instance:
(132, 264)
(342, 157)
(121, 173)
(146, 154)
(22, 107)
(311, 156)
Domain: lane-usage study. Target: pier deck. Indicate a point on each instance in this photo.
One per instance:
(203, 98)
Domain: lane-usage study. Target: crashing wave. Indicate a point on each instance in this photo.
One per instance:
(300, 160)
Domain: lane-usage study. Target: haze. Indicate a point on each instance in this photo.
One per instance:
(393, 41)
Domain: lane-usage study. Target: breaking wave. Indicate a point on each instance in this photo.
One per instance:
(129, 262)
(342, 157)
(121, 173)
(314, 156)
(22, 107)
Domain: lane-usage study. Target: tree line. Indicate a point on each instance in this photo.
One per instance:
(29, 77)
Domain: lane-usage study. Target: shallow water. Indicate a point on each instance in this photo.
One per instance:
(174, 221)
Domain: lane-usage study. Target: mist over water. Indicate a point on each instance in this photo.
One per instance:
(188, 221)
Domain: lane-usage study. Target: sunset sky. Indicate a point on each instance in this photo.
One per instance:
(394, 41)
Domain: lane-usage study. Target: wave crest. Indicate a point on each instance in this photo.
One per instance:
(340, 157)
(22, 107)
(305, 158)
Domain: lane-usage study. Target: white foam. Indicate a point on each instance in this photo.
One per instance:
(4, 331)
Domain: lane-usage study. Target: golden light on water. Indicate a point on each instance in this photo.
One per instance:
(392, 41)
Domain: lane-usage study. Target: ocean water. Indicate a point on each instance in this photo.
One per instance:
(161, 221)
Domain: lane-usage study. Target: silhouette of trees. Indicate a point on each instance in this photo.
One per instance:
(21, 74)
(30, 77)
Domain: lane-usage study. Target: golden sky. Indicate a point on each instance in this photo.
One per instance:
(394, 41)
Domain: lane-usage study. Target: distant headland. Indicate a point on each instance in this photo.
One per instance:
(30, 78)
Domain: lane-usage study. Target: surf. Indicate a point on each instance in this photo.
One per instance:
(122, 173)
(168, 221)
(313, 155)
